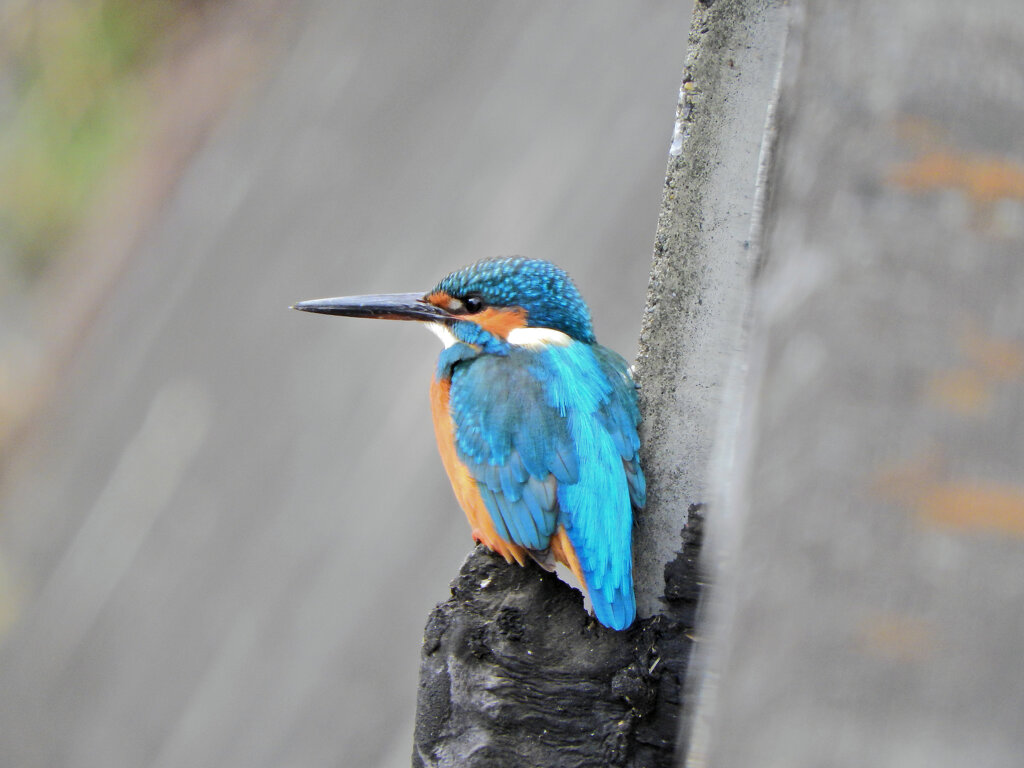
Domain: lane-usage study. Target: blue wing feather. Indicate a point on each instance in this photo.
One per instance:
(637, 482)
(550, 436)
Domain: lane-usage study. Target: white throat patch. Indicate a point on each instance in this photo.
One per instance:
(531, 338)
(538, 338)
(441, 331)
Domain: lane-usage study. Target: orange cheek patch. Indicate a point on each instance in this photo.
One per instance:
(500, 322)
(440, 299)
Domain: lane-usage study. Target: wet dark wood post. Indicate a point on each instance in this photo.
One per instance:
(513, 673)
(869, 604)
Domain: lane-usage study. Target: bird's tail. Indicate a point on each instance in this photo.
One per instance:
(615, 607)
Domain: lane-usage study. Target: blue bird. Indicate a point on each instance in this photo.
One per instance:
(535, 421)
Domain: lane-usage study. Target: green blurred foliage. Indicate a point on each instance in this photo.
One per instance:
(74, 98)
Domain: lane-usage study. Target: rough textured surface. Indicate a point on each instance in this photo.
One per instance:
(876, 610)
(514, 673)
(701, 275)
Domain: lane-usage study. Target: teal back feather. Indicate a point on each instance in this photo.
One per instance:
(550, 437)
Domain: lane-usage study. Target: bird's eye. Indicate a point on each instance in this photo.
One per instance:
(473, 304)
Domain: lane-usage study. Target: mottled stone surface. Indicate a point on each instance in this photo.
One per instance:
(874, 609)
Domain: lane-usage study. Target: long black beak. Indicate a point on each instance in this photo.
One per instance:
(384, 306)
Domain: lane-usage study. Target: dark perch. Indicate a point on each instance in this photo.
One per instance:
(514, 672)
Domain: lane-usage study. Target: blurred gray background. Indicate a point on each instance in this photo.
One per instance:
(223, 524)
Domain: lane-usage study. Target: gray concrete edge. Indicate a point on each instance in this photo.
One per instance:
(705, 257)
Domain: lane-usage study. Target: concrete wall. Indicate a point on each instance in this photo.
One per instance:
(869, 562)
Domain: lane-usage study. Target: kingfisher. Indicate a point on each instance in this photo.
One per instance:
(535, 421)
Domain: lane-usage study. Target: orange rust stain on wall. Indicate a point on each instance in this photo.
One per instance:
(963, 505)
(983, 178)
(972, 506)
(998, 359)
(969, 390)
(964, 391)
(896, 637)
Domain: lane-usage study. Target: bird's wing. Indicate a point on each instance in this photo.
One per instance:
(620, 416)
(550, 437)
(514, 444)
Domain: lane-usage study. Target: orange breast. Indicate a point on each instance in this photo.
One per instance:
(462, 481)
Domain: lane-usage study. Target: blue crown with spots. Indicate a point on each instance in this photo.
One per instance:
(545, 291)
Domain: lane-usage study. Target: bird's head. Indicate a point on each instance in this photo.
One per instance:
(507, 294)
(517, 300)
